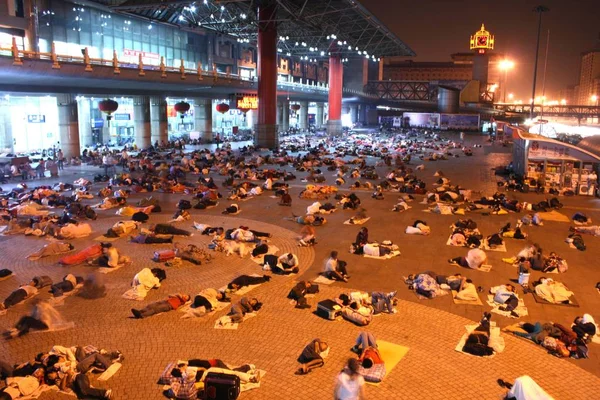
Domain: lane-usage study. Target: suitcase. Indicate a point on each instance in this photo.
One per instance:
(219, 386)
(164, 255)
(328, 309)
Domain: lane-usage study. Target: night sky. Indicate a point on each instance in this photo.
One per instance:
(436, 28)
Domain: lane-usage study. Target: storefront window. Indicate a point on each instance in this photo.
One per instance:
(34, 121)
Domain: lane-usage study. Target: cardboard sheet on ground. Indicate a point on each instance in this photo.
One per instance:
(110, 371)
(554, 216)
(494, 335)
(391, 354)
(108, 270)
(438, 293)
(103, 238)
(572, 301)
(356, 221)
(521, 310)
(467, 302)
(244, 289)
(189, 312)
(225, 321)
(393, 254)
(323, 280)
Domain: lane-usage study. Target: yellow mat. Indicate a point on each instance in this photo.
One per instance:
(467, 302)
(554, 216)
(391, 354)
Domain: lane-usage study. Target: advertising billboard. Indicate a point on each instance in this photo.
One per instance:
(462, 122)
(423, 120)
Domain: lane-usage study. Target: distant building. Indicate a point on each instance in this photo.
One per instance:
(589, 75)
(569, 94)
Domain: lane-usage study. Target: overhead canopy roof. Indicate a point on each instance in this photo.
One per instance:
(591, 144)
(302, 24)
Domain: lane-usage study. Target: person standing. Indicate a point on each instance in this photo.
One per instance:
(350, 385)
(61, 159)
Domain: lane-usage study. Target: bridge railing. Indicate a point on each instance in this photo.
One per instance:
(566, 110)
(58, 60)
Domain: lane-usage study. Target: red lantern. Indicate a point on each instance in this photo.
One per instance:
(108, 106)
(244, 110)
(295, 107)
(182, 107)
(223, 108)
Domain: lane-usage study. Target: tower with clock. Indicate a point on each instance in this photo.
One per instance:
(481, 43)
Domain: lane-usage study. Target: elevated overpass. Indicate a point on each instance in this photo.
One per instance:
(567, 110)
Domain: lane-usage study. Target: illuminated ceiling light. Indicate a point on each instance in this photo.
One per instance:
(344, 42)
(328, 37)
(222, 8)
(322, 53)
(296, 44)
(205, 1)
(287, 38)
(149, 27)
(243, 16)
(181, 18)
(223, 20)
(356, 48)
(339, 43)
(193, 8)
(349, 47)
(279, 50)
(212, 16)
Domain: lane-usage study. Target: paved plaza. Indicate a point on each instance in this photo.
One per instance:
(274, 339)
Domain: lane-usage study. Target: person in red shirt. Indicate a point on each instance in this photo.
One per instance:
(366, 348)
(173, 302)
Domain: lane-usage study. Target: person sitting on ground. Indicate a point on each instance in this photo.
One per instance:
(336, 269)
(209, 299)
(475, 259)
(299, 292)
(67, 285)
(505, 294)
(307, 236)
(232, 209)
(246, 280)
(418, 228)
(173, 302)
(42, 317)
(286, 264)
(93, 287)
(286, 199)
(167, 229)
(243, 307)
(313, 356)
(111, 257)
(19, 295)
(585, 327)
(516, 233)
(362, 237)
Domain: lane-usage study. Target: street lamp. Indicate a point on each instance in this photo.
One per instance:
(511, 96)
(505, 65)
(540, 10)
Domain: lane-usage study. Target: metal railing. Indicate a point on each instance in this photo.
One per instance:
(58, 60)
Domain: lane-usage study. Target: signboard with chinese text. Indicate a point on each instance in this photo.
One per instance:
(36, 119)
(246, 102)
(539, 149)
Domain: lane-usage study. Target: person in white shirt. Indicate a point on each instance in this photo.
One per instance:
(336, 269)
(475, 259)
(350, 383)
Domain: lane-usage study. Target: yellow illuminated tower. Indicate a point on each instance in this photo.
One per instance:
(481, 42)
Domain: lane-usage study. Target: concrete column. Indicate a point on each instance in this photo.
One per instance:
(266, 134)
(84, 117)
(159, 126)
(141, 121)
(203, 119)
(303, 122)
(286, 116)
(336, 77)
(68, 125)
(6, 134)
(354, 113)
(31, 33)
(319, 115)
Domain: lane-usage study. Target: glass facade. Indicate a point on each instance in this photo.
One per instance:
(34, 122)
(73, 27)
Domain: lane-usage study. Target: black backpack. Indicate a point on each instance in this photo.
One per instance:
(140, 217)
(184, 204)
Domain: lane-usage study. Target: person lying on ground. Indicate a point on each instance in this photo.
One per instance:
(209, 299)
(245, 234)
(524, 388)
(51, 249)
(367, 350)
(507, 232)
(593, 230)
(478, 341)
(552, 291)
(313, 356)
(42, 317)
(359, 217)
(150, 239)
(232, 209)
(313, 220)
(173, 302)
(246, 280)
(244, 306)
(67, 285)
(585, 327)
(336, 269)
(475, 259)
(506, 294)
(576, 240)
(418, 228)
(284, 265)
(167, 229)
(19, 295)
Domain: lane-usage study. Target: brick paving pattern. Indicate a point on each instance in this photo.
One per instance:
(274, 339)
